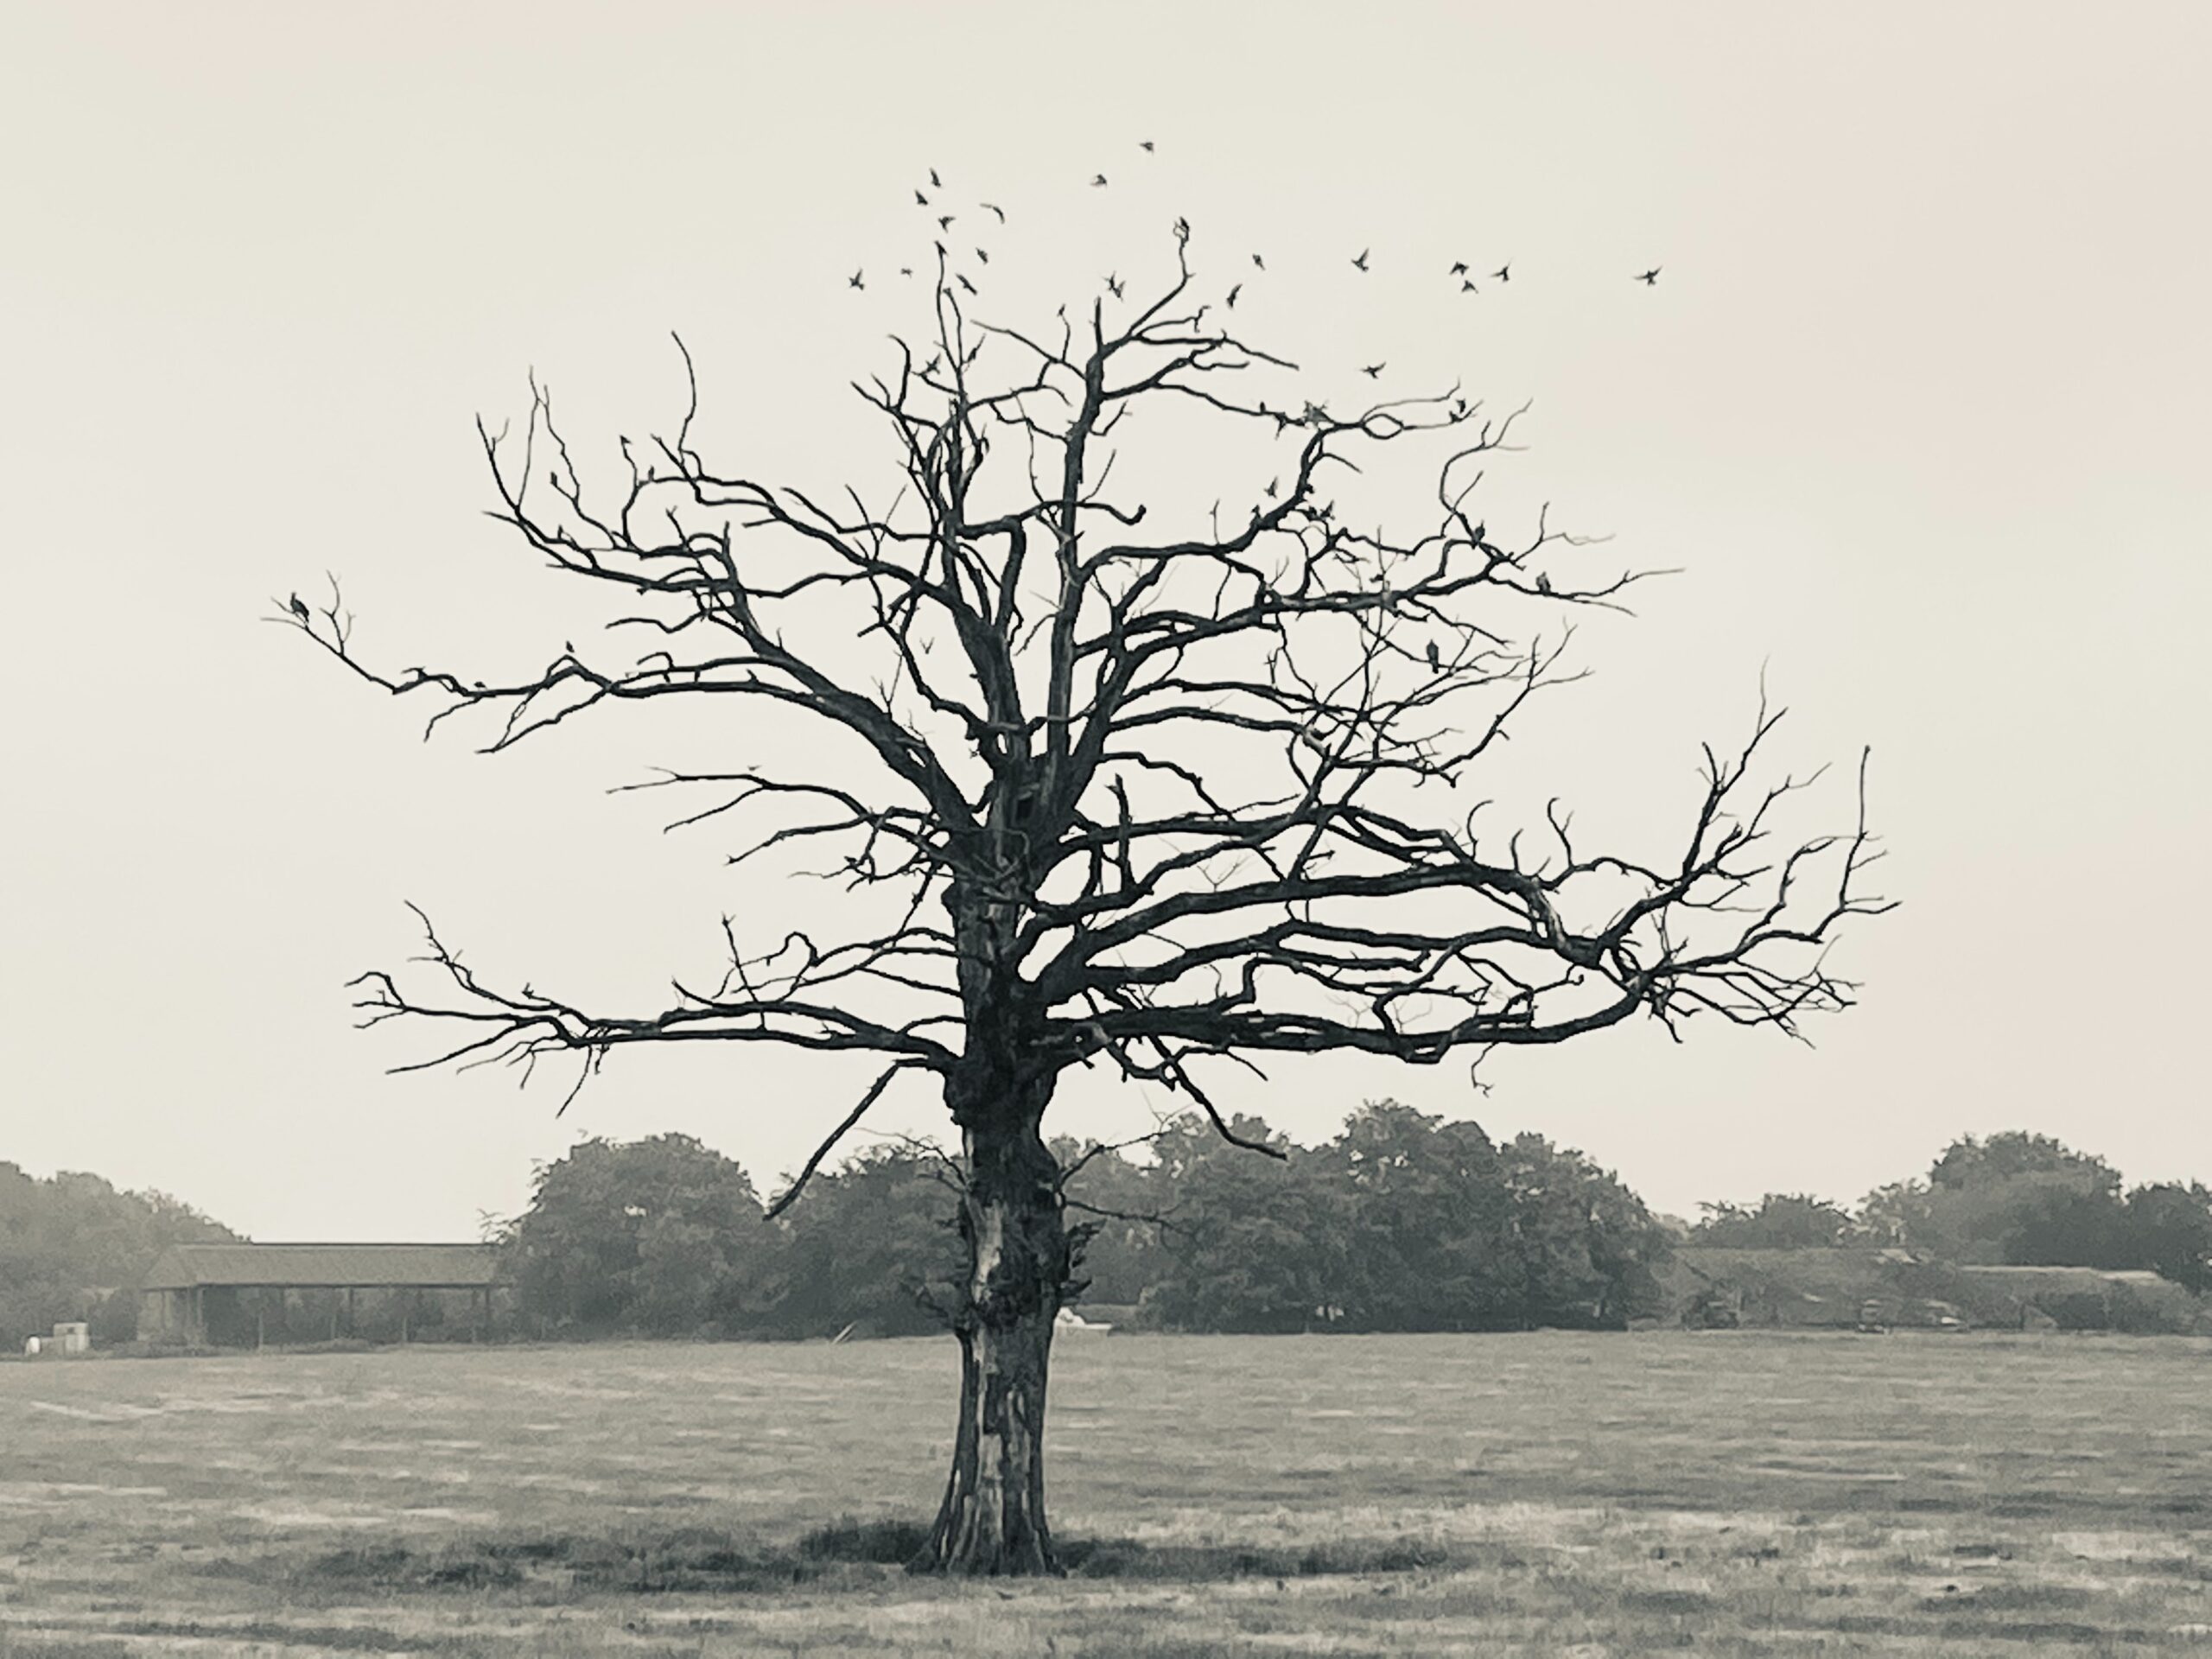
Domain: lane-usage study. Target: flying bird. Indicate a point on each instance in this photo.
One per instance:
(1098, 181)
(1458, 268)
(982, 256)
(961, 277)
(298, 608)
(1374, 369)
(1505, 272)
(994, 207)
(1467, 285)
(1182, 228)
(1360, 263)
(920, 201)
(944, 222)
(1233, 293)
(854, 281)
(936, 183)
(1435, 658)
(1651, 278)
(974, 351)
(1260, 262)
(1144, 144)
(1274, 484)
(905, 270)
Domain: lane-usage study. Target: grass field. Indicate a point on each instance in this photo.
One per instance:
(1723, 1493)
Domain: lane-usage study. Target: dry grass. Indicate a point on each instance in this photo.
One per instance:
(1727, 1493)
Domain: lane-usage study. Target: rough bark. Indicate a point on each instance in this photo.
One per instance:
(992, 1520)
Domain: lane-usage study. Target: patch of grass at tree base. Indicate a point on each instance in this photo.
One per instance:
(697, 1560)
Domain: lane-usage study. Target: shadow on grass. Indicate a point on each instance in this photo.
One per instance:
(700, 1559)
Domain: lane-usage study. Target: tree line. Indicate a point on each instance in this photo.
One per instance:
(1400, 1221)
(2015, 1199)
(1403, 1222)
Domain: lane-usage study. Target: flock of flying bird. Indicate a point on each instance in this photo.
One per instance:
(1459, 269)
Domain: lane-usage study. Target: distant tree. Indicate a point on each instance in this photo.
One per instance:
(1248, 1247)
(662, 1236)
(73, 1247)
(1967, 1163)
(1899, 1214)
(1403, 1221)
(2019, 1197)
(2031, 1200)
(1429, 1222)
(2054, 1219)
(2170, 1227)
(1145, 784)
(1780, 1221)
(1588, 1251)
(876, 1245)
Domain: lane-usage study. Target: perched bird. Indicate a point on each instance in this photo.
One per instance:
(994, 207)
(1360, 263)
(1260, 262)
(1543, 582)
(298, 608)
(1374, 369)
(1098, 181)
(1233, 293)
(1459, 267)
(1182, 228)
(936, 183)
(1114, 285)
(1435, 658)
(961, 277)
(854, 281)
(1505, 272)
(974, 351)
(1651, 278)
(1144, 144)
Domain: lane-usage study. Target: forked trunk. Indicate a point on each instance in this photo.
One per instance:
(992, 1520)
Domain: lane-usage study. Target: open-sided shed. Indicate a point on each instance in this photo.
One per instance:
(232, 1294)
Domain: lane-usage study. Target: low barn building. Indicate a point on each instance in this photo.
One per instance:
(240, 1295)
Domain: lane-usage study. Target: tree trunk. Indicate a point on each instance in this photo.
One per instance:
(992, 1520)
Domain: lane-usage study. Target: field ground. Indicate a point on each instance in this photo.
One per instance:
(1724, 1493)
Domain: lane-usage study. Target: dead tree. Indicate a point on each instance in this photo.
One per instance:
(1156, 800)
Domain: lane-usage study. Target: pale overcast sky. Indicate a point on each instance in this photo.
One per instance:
(1918, 406)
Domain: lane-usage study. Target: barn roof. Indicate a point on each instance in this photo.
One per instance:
(182, 1266)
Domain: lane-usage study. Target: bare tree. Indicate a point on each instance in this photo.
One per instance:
(1155, 801)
